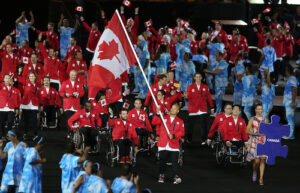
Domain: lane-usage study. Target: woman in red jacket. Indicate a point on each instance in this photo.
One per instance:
(30, 104)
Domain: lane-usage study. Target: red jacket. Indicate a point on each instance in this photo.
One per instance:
(52, 66)
(165, 107)
(74, 65)
(50, 98)
(93, 37)
(175, 128)
(277, 44)
(39, 71)
(82, 119)
(202, 45)
(234, 49)
(198, 98)
(261, 40)
(25, 52)
(194, 47)
(155, 89)
(217, 125)
(288, 45)
(134, 30)
(101, 106)
(170, 87)
(13, 46)
(31, 93)
(71, 101)
(139, 120)
(11, 97)
(39, 55)
(52, 37)
(9, 63)
(71, 51)
(123, 131)
(222, 36)
(232, 130)
(173, 53)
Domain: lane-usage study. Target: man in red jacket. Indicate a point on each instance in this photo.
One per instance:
(168, 144)
(220, 33)
(9, 104)
(88, 121)
(71, 91)
(234, 129)
(72, 49)
(79, 65)
(198, 96)
(217, 124)
(51, 35)
(9, 60)
(25, 52)
(50, 102)
(123, 134)
(33, 66)
(139, 118)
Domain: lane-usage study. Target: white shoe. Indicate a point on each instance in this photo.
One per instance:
(177, 180)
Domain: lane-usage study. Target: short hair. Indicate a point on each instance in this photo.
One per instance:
(46, 77)
(7, 75)
(161, 76)
(289, 69)
(226, 104)
(138, 99)
(176, 104)
(32, 73)
(126, 170)
(235, 105)
(268, 41)
(96, 167)
(51, 23)
(96, 24)
(70, 147)
(33, 54)
(257, 104)
(123, 110)
(171, 71)
(99, 94)
(162, 92)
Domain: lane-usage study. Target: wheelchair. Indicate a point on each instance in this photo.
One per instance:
(44, 119)
(78, 139)
(229, 155)
(113, 154)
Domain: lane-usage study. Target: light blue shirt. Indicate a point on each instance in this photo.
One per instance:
(22, 33)
(267, 94)
(162, 63)
(221, 79)
(287, 95)
(70, 169)
(200, 58)
(249, 89)
(270, 58)
(120, 185)
(96, 184)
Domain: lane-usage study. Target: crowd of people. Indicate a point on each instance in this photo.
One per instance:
(51, 80)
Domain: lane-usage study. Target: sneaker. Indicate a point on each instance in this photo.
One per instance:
(122, 160)
(177, 180)
(169, 163)
(261, 182)
(161, 178)
(203, 143)
(127, 160)
(253, 178)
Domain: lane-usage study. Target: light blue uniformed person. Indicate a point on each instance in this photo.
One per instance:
(213, 47)
(123, 183)
(187, 71)
(22, 27)
(163, 60)
(70, 167)
(289, 99)
(238, 71)
(14, 151)
(31, 181)
(65, 33)
(144, 57)
(181, 49)
(199, 60)
(83, 176)
(249, 82)
(267, 94)
(95, 183)
(267, 59)
(221, 80)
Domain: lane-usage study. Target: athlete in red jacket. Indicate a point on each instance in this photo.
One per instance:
(168, 144)
(124, 134)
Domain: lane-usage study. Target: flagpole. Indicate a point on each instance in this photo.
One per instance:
(141, 68)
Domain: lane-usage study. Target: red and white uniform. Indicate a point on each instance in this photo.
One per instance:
(194, 47)
(39, 54)
(134, 30)
(72, 102)
(52, 37)
(222, 36)
(13, 46)
(288, 45)
(244, 41)
(198, 98)
(49, 96)
(217, 125)
(31, 97)
(261, 40)
(139, 119)
(37, 68)
(71, 51)
(173, 53)
(9, 63)
(234, 49)
(165, 106)
(78, 65)
(277, 44)
(100, 107)
(155, 88)
(25, 52)
(52, 65)
(123, 130)
(234, 130)
(202, 45)
(10, 98)
(175, 127)
(84, 119)
(93, 37)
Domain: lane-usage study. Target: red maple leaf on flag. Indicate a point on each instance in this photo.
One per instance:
(108, 51)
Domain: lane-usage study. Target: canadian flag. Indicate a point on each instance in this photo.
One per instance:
(267, 10)
(126, 104)
(186, 24)
(148, 23)
(24, 60)
(173, 66)
(170, 30)
(127, 3)
(254, 21)
(79, 8)
(113, 56)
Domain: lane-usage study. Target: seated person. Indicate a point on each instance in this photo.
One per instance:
(139, 118)
(88, 120)
(218, 121)
(234, 129)
(100, 105)
(123, 134)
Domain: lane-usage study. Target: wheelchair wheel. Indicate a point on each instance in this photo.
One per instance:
(98, 144)
(221, 154)
(76, 138)
(110, 155)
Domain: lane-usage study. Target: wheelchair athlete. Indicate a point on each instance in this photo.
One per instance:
(123, 134)
(234, 129)
(218, 121)
(88, 120)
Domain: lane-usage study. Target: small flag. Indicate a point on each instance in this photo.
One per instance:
(103, 102)
(79, 8)
(126, 104)
(254, 21)
(278, 26)
(173, 66)
(186, 24)
(267, 10)
(24, 60)
(148, 23)
(229, 37)
(170, 30)
(127, 3)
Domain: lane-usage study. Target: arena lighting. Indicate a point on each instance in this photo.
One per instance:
(291, 2)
